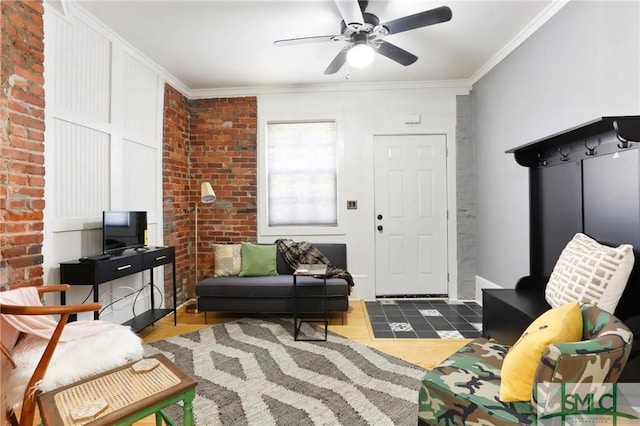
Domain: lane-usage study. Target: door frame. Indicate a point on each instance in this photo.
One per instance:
(452, 222)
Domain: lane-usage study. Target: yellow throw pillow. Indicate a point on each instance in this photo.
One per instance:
(558, 325)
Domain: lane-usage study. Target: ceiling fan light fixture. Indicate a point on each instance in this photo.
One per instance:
(360, 55)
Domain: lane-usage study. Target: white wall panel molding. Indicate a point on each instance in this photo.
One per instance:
(139, 174)
(117, 113)
(140, 85)
(82, 82)
(79, 119)
(60, 6)
(157, 236)
(88, 18)
(81, 172)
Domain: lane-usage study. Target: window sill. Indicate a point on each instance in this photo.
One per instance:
(291, 231)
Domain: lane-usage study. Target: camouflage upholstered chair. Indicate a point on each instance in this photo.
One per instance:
(465, 388)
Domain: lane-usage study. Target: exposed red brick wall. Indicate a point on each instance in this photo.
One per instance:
(21, 142)
(207, 140)
(222, 137)
(177, 212)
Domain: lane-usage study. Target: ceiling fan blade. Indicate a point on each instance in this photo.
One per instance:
(350, 11)
(397, 54)
(306, 40)
(422, 19)
(337, 62)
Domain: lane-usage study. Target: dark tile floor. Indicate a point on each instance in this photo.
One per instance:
(425, 319)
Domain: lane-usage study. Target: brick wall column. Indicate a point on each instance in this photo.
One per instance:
(223, 151)
(175, 188)
(21, 142)
(207, 140)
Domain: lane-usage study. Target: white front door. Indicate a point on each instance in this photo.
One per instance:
(411, 215)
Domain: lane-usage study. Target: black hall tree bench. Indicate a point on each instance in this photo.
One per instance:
(585, 179)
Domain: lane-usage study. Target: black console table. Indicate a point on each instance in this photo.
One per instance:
(130, 262)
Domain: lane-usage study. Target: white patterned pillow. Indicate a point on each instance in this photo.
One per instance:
(228, 260)
(590, 272)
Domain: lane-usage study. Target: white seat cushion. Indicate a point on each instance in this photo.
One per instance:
(72, 361)
(590, 272)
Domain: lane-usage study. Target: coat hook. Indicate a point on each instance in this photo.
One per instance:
(590, 151)
(625, 143)
(541, 160)
(563, 156)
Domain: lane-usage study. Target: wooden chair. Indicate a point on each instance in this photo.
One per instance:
(9, 349)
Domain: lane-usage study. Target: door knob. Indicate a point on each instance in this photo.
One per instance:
(379, 227)
(379, 217)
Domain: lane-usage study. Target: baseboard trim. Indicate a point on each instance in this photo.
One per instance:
(483, 283)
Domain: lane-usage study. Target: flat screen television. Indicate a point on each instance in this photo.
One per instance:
(123, 230)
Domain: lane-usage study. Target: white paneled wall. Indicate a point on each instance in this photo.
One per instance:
(81, 59)
(103, 150)
(140, 101)
(139, 197)
(81, 171)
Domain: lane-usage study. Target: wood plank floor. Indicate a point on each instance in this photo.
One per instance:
(423, 352)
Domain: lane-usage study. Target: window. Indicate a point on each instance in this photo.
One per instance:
(301, 174)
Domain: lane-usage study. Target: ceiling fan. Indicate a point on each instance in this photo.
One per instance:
(364, 33)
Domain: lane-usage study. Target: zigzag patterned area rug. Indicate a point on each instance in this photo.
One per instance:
(252, 372)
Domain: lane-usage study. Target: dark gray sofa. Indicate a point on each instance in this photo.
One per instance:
(274, 294)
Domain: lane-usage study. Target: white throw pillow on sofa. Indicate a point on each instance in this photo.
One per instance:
(590, 272)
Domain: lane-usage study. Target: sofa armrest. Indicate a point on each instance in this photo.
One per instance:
(600, 359)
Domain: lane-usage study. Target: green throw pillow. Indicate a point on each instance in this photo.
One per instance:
(258, 260)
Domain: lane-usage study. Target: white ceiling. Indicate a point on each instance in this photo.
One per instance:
(229, 44)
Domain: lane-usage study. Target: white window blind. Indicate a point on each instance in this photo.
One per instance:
(301, 173)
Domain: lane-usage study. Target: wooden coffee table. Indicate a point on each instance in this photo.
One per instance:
(130, 395)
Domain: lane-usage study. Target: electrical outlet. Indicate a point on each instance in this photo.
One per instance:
(352, 204)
